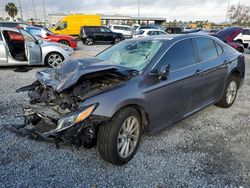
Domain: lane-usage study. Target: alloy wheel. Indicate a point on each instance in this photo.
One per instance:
(89, 41)
(128, 136)
(231, 92)
(55, 60)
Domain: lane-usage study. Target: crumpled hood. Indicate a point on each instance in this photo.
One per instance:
(229, 34)
(63, 77)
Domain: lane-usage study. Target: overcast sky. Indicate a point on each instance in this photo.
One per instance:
(212, 10)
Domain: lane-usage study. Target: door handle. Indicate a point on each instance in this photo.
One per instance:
(197, 72)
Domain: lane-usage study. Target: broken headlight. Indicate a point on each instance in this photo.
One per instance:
(75, 118)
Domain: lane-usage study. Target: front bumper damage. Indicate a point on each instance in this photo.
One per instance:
(41, 123)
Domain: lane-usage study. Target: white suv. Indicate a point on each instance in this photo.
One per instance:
(244, 37)
(123, 29)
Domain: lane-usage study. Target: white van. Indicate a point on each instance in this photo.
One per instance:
(124, 29)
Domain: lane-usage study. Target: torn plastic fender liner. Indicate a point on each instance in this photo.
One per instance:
(63, 77)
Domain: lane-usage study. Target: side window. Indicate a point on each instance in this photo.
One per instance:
(206, 49)
(28, 37)
(36, 32)
(246, 32)
(105, 30)
(150, 33)
(219, 48)
(180, 55)
(62, 26)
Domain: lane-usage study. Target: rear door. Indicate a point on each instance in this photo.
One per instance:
(210, 72)
(3, 51)
(107, 34)
(33, 50)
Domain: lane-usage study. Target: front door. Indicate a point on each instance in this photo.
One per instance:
(170, 99)
(33, 49)
(3, 51)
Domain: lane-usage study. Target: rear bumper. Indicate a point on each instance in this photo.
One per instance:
(73, 44)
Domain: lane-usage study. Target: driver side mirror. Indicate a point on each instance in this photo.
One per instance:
(162, 72)
(39, 41)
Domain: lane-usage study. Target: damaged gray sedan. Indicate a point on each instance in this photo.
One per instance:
(137, 86)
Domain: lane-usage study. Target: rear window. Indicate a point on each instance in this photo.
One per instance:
(206, 49)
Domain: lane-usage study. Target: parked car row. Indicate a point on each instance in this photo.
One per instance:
(19, 47)
(16, 52)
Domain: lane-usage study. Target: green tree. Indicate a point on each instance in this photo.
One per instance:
(11, 9)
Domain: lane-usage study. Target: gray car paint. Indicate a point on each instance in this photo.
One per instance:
(165, 102)
(182, 94)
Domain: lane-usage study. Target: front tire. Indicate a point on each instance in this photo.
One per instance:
(230, 93)
(89, 41)
(241, 50)
(118, 140)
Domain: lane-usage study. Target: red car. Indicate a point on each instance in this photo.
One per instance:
(228, 35)
(49, 36)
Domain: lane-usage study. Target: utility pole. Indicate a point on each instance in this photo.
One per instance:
(138, 11)
(20, 8)
(34, 10)
(44, 14)
(26, 10)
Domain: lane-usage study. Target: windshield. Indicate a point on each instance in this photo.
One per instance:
(132, 54)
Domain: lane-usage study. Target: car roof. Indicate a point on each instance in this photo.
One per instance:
(34, 27)
(151, 30)
(175, 37)
(120, 25)
(9, 28)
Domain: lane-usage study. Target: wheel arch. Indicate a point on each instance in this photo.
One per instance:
(236, 73)
(49, 53)
(143, 113)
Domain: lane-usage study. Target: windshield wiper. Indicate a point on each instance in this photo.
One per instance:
(147, 55)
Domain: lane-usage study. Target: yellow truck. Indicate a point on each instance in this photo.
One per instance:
(71, 24)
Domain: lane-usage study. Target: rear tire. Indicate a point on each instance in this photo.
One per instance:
(117, 40)
(118, 139)
(230, 93)
(54, 59)
(239, 49)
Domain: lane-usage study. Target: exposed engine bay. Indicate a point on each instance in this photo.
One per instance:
(53, 112)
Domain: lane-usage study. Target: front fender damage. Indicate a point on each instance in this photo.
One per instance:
(48, 105)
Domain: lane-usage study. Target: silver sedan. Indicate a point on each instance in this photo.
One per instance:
(18, 47)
